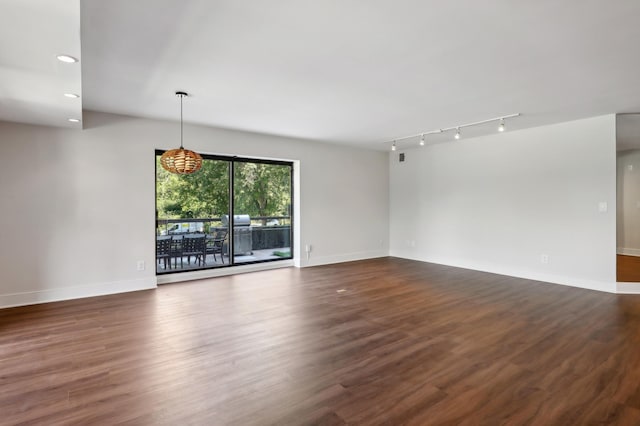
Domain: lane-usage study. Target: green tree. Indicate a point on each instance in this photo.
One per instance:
(260, 190)
(201, 195)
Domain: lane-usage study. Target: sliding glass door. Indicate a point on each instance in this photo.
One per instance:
(262, 211)
(194, 225)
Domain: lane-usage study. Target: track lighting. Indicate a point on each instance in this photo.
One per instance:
(66, 58)
(458, 135)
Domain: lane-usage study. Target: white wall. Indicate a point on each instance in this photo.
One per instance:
(78, 206)
(497, 203)
(629, 202)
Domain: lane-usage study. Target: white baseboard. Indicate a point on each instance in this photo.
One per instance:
(339, 258)
(629, 251)
(75, 292)
(222, 272)
(628, 288)
(101, 289)
(605, 286)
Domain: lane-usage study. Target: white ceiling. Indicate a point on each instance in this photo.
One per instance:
(356, 72)
(32, 80)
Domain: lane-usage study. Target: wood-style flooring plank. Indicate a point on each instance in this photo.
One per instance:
(406, 343)
(628, 268)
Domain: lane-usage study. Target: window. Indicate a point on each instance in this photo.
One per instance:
(194, 225)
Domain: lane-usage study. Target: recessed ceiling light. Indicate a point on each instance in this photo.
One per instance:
(71, 95)
(74, 120)
(66, 58)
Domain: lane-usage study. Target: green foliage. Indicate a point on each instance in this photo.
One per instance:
(203, 194)
(260, 190)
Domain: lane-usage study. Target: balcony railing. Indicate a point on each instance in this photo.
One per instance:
(266, 238)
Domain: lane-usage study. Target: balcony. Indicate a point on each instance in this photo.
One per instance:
(257, 239)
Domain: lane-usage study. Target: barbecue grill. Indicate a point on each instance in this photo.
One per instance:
(242, 233)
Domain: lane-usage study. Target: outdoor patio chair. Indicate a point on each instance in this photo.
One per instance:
(163, 251)
(216, 244)
(194, 245)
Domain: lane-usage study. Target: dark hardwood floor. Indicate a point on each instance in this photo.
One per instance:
(628, 268)
(406, 343)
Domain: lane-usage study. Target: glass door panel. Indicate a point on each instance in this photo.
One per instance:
(190, 210)
(262, 211)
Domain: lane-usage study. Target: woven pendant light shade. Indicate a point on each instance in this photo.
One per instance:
(181, 161)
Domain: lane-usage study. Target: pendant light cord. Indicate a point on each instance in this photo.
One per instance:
(181, 97)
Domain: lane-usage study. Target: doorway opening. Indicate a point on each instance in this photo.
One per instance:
(233, 211)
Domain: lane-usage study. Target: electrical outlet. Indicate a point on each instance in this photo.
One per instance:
(140, 265)
(544, 259)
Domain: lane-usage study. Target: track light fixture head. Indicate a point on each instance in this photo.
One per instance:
(393, 147)
(422, 140)
(457, 136)
(501, 126)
